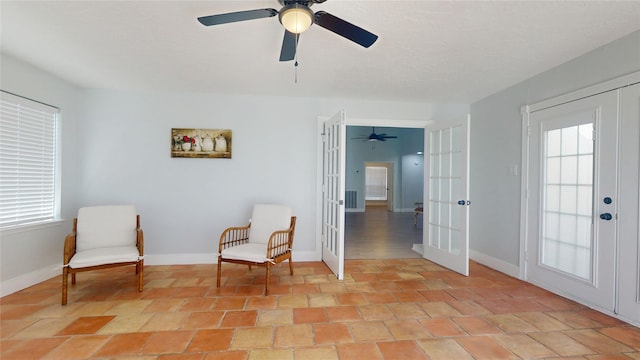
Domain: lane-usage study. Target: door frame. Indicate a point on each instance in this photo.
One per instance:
(398, 123)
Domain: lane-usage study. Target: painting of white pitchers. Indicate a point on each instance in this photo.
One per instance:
(201, 143)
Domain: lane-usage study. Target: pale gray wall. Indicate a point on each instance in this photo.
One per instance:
(23, 252)
(186, 203)
(496, 142)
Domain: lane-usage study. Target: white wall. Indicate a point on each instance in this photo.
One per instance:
(186, 203)
(34, 255)
(496, 143)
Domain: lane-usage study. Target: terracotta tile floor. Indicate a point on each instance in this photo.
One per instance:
(384, 309)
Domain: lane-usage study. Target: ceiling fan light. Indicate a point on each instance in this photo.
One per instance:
(296, 18)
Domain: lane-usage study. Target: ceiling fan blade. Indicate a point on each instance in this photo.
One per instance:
(237, 16)
(345, 29)
(289, 45)
(389, 137)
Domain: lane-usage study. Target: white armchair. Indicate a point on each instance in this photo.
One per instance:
(266, 241)
(103, 237)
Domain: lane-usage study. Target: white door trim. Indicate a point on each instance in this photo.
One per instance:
(349, 122)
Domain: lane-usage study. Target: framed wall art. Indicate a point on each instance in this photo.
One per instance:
(201, 143)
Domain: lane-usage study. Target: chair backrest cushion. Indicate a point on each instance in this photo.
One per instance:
(106, 226)
(266, 219)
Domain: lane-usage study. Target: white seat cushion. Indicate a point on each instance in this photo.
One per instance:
(247, 252)
(101, 256)
(106, 226)
(266, 219)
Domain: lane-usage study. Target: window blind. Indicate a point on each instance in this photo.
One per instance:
(27, 161)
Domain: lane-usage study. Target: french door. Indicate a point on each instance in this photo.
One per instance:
(572, 204)
(333, 183)
(446, 205)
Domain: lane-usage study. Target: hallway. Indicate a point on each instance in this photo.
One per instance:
(380, 234)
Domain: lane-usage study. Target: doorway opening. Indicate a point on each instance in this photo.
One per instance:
(378, 185)
(389, 179)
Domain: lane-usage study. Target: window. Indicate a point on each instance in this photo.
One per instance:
(27, 161)
(376, 183)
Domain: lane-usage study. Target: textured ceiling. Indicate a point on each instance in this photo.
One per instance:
(432, 51)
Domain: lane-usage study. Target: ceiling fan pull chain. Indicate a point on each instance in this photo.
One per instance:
(295, 65)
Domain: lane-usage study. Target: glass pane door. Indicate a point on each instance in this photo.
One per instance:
(446, 204)
(572, 199)
(567, 239)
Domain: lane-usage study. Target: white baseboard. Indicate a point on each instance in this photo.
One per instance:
(24, 281)
(418, 248)
(181, 259)
(494, 263)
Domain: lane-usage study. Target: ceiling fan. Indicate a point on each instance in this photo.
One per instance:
(296, 17)
(375, 137)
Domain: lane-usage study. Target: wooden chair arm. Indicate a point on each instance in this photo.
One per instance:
(233, 236)
(140, 241)
(70, 244)
(139, 236)
(69, 248)
(281, 241)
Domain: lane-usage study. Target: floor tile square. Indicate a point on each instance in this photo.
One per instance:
(293, 335)
(85, 325)
(211, 340)
(484, 347)
(168, 342)
(234, 319)
(259, 337)
(444, 349)
(309, 315)
(401, 350)
(367, 351)
(124, 345)
(332, 333)
(370, 331)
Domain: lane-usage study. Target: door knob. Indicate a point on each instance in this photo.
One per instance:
(606, 216)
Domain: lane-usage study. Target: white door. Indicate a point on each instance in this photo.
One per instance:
(333, 191)
(629, 216)
(572, 201)
(446, 206)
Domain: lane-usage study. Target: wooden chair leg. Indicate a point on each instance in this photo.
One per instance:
(65, 273)
(219, 269)
(73, 278)
(139, 267)
(290, 266)
(266, 286)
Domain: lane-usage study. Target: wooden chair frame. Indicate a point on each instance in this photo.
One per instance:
(277, 250)
(418, 210)
(70, 250)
